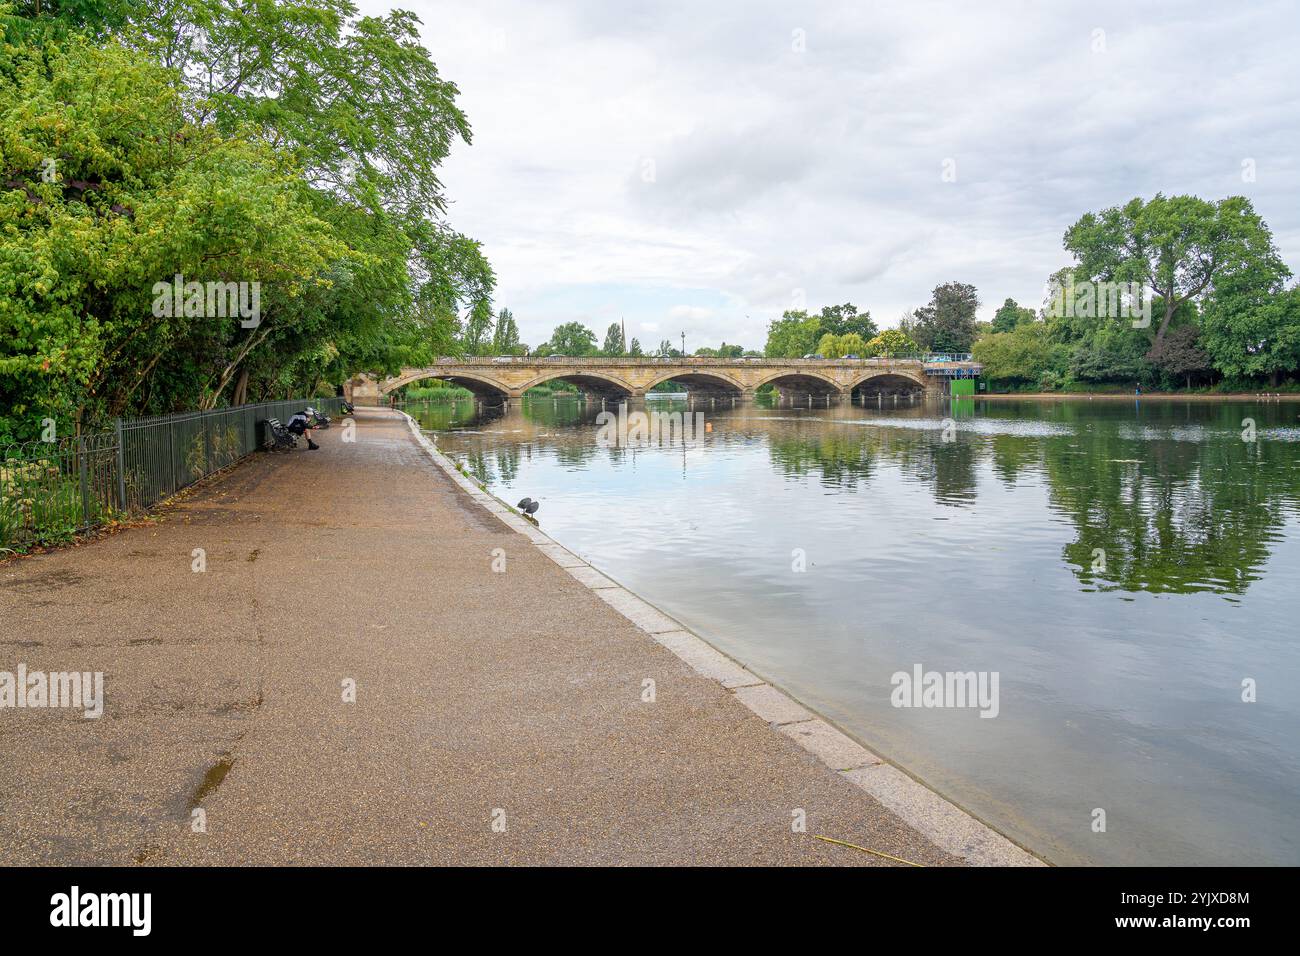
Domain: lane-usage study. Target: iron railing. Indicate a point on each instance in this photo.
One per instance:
(52, 490)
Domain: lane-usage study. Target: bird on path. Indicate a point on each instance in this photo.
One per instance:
(528, 506)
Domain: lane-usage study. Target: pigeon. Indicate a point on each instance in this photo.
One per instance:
(528, 506)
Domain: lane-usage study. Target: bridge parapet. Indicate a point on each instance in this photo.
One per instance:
(511, 376)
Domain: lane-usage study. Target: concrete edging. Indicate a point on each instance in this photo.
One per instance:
(945, 824)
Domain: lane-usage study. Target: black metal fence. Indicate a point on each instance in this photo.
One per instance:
(54, 489)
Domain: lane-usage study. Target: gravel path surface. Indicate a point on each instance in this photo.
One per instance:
(481, 697)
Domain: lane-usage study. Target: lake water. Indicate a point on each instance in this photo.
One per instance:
(1126, 570)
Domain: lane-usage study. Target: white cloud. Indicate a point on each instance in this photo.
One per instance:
(775, 170)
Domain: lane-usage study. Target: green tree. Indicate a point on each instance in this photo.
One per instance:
(1010, 315)
(285, 143)
(793, 335)
(634, 349)
(1179, 246)
(1109, 360)
(358, 105)
(947, 323)
(572, 338)
(1179, 356)
(847, 320)
(838, 346)
(506, 339)
(1250, 333)
(135, 195)
(357, 99)
(614, 345)
(892, 342)
(1018, 357)
(478, 328)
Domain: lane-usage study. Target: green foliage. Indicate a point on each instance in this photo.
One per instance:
(41, 501)
(571, 338)
(137, 195)
(723, 351)
(57, 18)
(614, 345)
(1010, 315)
(1253, 334)
(1018, 357)
(556, 386)
(1218, 302)
(892, 342)
(478, 329)
(793, 335)
(838, 346)
(286, 143)
(847, 320)
(1108, 361)
(505, 341)
(435, 390)
(1179, 356)
(1180, 246)
(797, 333)
(947, 323)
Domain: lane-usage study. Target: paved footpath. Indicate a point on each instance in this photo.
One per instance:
(511, 697)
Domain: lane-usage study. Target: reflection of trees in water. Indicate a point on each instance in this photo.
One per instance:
(507, 457)
(477, 465)
(1190, 516)
(1171, 515)
(839, 457)
(952, 474)
(1013, 454)
(845, 456)
(560, 412)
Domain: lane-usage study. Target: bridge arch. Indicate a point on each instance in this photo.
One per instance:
(802, 380)
(889, 381)
(601, 383)
(704, 381)
(482, 386)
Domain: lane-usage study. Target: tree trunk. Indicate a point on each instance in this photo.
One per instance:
(1170, 307)
(229, 373)
(241, 388)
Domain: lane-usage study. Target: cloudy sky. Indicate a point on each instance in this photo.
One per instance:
(701, 167)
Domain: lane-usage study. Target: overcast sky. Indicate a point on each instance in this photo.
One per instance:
(702, 167)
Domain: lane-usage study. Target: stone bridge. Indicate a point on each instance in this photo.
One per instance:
(505, 377)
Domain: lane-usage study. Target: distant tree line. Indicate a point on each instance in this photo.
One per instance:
(1213, 306)
(1175, 292)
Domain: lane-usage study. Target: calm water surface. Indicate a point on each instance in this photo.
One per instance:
(1120, 682)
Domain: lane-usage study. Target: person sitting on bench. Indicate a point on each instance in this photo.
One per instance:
(299, 425)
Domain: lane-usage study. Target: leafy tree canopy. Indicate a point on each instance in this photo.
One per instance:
(1178, 246)
(892, 342)
(947, 323)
